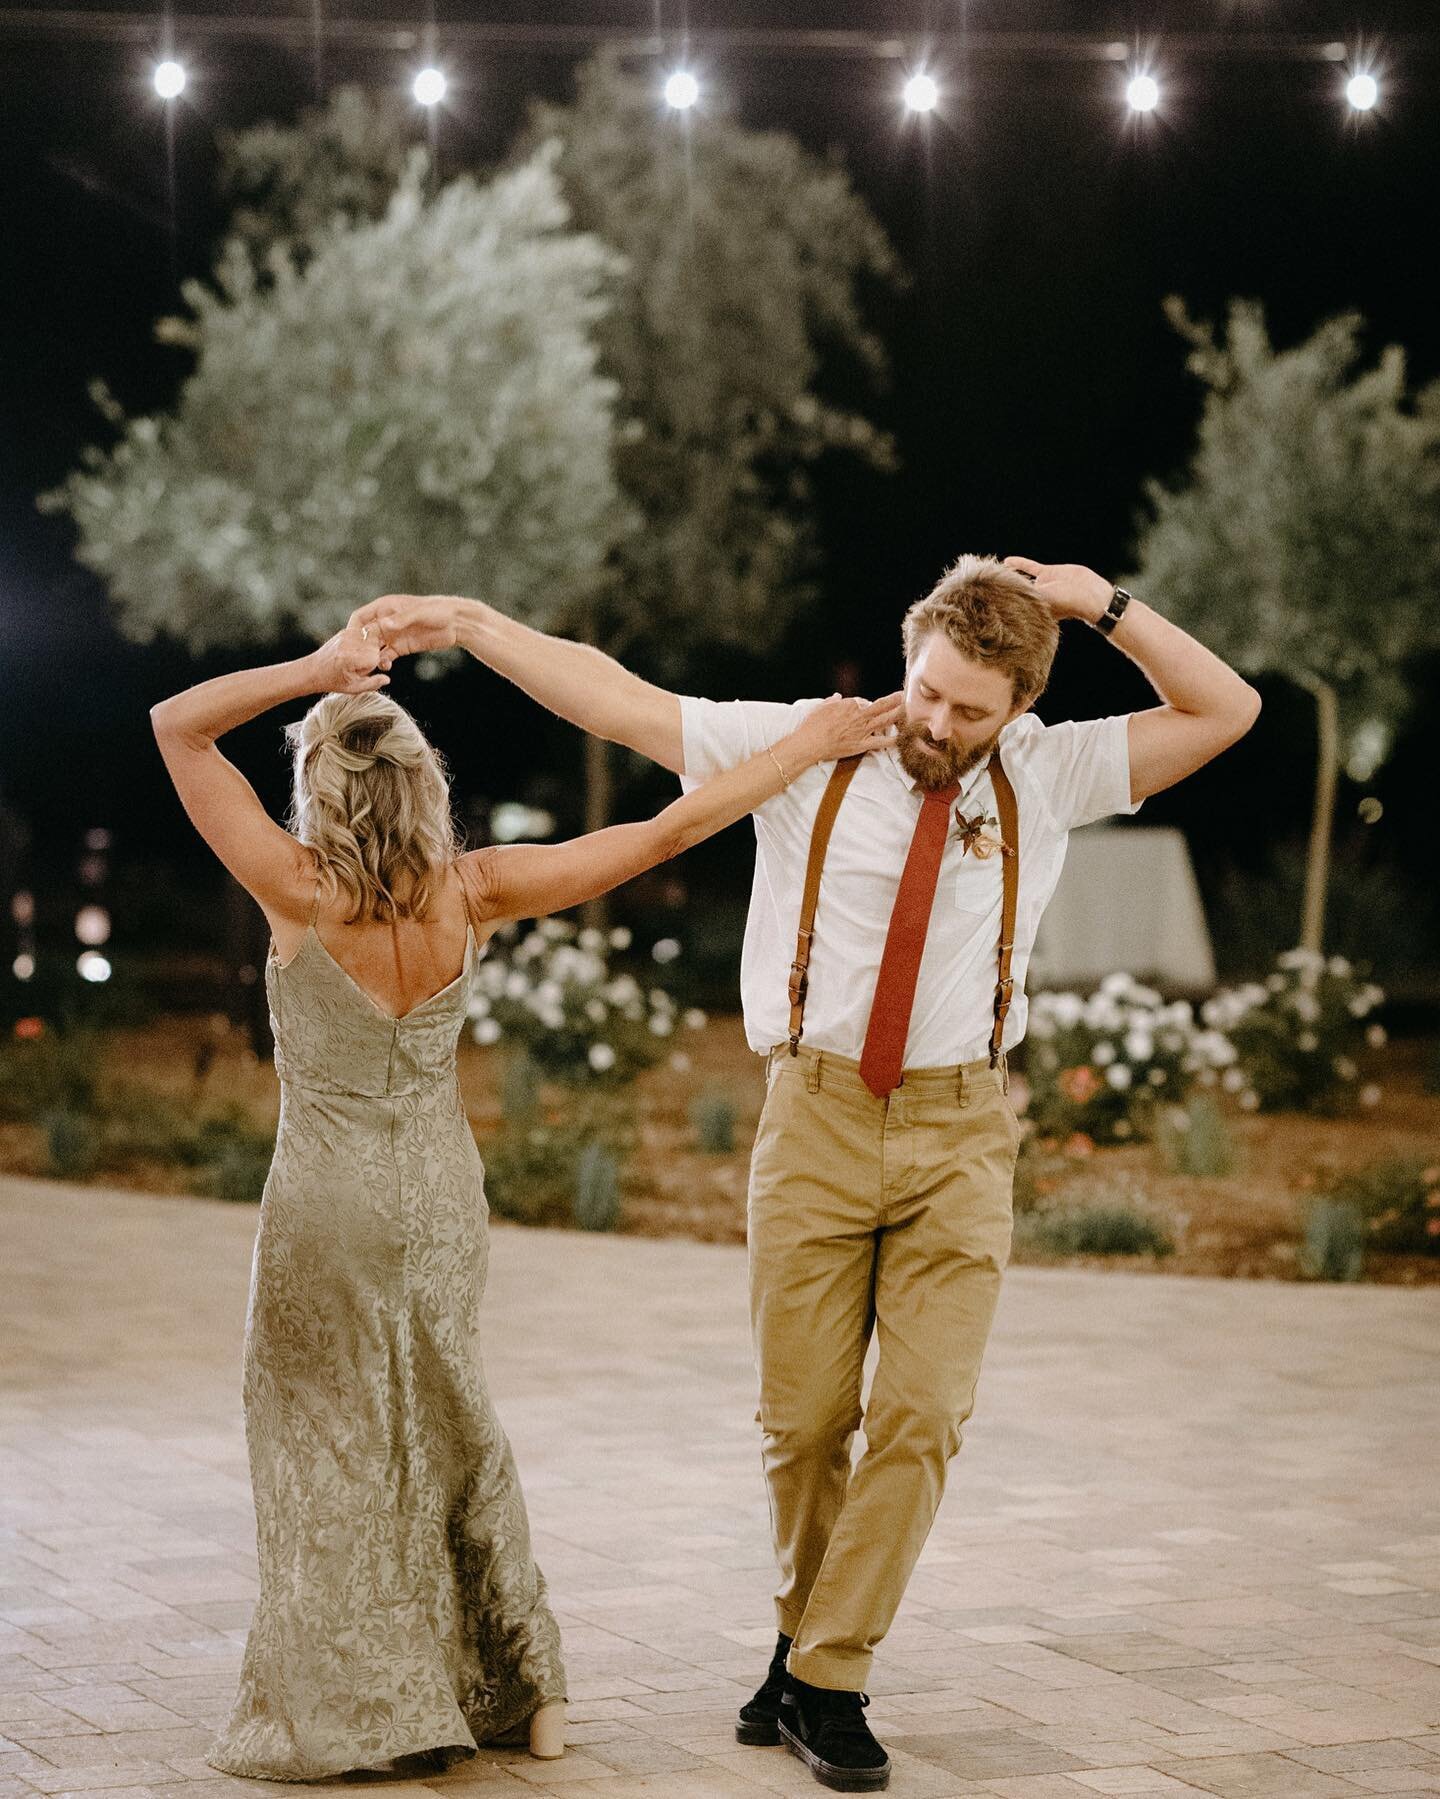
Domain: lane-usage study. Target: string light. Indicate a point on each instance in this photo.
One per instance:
(429, 87)
(1362, 90)
(921, 93)
(682, 90)
(169, 79)
(1142, 93)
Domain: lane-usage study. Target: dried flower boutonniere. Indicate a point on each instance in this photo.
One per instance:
(973, 835)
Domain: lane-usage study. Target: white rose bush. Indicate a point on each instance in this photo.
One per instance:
(1303, 1033)
(1108, 1067)
(1101, 1067)
(552, 993)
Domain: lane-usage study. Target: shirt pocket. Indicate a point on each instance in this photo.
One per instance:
(977, 884)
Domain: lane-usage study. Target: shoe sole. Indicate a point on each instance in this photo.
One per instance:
(839, 1780)
(758, 1735)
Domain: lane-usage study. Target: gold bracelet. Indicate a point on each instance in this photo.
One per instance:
(784, 778)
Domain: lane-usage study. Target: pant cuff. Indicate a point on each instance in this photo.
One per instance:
(836, 1670)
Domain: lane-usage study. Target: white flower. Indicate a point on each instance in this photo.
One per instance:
(660, 1025)
(1121, 1127)
(622, 991)
(680, 1062)
(695, 1019)
(1300, 958)
(516, 986)
(661, 1000)
(1139, 1046)
(1345, 1068)
(595, 1011)
(479, 1006)
(1249, 1100)
(620, 938)
(1207, 1077)
(592, 939)
(555, 929)
(1156, 1077)
(1103, 1054)
(1370, 1094)
(1066, 1008)
(600, 1056)
(1307, 1040)
(1275, 982)
(1116, 984)
(1305, 1006)
(487, 1031)
(1118, 1075)
(1376, 1036)
(1232, 1080)
(666, 950)
(1339, 967)
(549, 994)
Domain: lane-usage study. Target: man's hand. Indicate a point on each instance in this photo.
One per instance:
(1069, 590)
(407, 622)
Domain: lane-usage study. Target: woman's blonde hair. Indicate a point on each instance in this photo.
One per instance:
(372, 803)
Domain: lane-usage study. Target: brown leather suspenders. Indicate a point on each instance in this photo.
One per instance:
(840, 779)
(1010, 875)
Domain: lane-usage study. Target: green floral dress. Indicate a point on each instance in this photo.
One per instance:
(401, 1611)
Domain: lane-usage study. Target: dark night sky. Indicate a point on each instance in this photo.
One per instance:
(1036, 383)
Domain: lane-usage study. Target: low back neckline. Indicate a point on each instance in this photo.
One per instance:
(369, 998)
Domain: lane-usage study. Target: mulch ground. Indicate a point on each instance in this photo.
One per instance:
(1247, 1225)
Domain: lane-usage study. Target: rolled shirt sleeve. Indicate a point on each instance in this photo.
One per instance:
(716, 734)
(1083, 769)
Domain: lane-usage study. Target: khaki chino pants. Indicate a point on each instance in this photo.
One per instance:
(868, 1215)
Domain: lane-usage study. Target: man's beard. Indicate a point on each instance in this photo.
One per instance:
(933, 766)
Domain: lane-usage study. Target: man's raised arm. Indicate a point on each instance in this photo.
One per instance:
(575, 680)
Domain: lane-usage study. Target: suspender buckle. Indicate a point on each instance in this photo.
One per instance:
(799, 982)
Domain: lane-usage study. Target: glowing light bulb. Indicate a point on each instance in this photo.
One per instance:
(921, 93)
(429, 87)
(1142, 93)
(169, 80)
(682, 90)
(1362, 91)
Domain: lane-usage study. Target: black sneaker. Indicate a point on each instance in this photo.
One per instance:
(828, 1730)
(759, 1720)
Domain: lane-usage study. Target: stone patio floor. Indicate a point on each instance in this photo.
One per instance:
(1191, 1545)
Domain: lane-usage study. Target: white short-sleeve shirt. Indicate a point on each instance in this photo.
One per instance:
(1064, 775)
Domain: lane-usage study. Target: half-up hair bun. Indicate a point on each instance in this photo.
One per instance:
(372, 802)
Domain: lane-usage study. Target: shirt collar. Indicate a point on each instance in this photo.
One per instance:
(892, 758)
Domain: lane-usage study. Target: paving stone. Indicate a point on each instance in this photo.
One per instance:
(1192, 1543)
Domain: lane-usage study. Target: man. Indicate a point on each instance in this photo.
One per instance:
(883, 978)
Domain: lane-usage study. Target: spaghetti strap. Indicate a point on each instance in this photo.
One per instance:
(465, 896)
(315, 902)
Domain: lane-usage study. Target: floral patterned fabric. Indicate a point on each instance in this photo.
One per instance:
(401, 1611)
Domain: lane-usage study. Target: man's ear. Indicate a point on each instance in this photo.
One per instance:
(1018, 710)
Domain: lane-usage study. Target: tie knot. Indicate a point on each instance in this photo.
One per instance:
(946, 796)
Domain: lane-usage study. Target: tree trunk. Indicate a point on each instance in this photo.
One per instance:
(599, 799)
(1327, 769)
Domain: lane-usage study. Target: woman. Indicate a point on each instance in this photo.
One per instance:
(401, 1612)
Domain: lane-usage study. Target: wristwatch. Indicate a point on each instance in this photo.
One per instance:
(1114, 612)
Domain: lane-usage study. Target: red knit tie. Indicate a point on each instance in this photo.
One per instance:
(883, 1056)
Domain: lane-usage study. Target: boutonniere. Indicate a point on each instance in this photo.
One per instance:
(973, 835)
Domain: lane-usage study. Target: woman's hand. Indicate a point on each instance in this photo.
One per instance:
(407, 622)
(840, 727)
(351, 661)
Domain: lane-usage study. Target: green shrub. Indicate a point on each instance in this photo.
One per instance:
(240, 1170)
(55, 1072)
(73, 1143)
(1398, 1200)
(530, 1172)
(1096, 1219)
(1334, 1246)
(597, 1189)
(1196, 1140)
(712, 1114)
(519, 1088)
